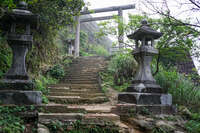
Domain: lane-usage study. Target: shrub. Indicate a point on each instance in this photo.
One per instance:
(10, 122)
(183, 90)
(82, 53)
(57, 71)
(100, 50)
(41, 85)
(5, 57)
(122, 66)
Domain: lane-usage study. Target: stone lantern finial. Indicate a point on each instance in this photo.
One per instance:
(22, 5)
(144, 22)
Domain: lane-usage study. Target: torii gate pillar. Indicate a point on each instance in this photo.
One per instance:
(120, 29)
(77, 39)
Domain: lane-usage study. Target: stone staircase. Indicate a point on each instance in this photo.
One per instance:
(79, 97)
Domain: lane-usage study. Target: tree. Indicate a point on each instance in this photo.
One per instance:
(54, 15)
(180, 9)
(176, 42)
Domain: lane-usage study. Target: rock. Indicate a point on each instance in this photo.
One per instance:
(166, 126)
(178, 132)
(143, 124)
(42, 129)
(185, 111)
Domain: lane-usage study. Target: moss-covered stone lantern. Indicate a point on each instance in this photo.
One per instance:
(144, 89)
(16, 87)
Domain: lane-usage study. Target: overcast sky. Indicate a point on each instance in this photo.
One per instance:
(172, 4)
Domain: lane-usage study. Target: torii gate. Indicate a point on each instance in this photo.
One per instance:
(100, 10)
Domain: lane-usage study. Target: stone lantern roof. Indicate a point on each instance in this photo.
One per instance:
(20, 15)
(145, 31)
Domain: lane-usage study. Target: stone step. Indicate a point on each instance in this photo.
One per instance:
(46, 118)
(87, 70)
(81, 79)
(85, 67)
(100, 118)
(80, 82)
(76, 90)
(74, 85)
(86, 119)
(82, 94)
(76, 99)
(84, 62)
(61, 108)
(73, 77)
(83, 74)
(97, 108)
(78, 77)
(89, 65)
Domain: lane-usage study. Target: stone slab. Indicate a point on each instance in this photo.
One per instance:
(46, 118)
(100, 119)
(8, 84)
(145, 98)
(76, 100)
(146, 88)
(131, 109)
(20, 97)
(76, 94)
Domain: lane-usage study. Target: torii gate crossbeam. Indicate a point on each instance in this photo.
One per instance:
(100, 10)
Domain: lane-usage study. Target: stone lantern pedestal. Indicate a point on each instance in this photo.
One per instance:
(145, 93)
(16, 87)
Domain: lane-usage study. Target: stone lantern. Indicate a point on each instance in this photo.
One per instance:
(16, 87)
(144, 89)
(70, 43)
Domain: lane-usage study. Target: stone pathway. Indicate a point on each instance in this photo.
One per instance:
(79, 97)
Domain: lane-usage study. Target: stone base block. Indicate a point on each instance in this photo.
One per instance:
(145, 98)
(146, 88)
(20, 97)
(8, 84)
(130, 109)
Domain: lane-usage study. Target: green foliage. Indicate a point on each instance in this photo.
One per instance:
(183, 90)
(9, 121)
(174, 45)
(83, 40)
(54, 15)
(87, 49)
(193, 126)
(5, 57)
(108, 81)
(177, 39)
(122, 66)
(83, 53)
(66, 61)
(121, 69)
(159, 130)
(56, 71)
(99, 50)
(41, 85)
